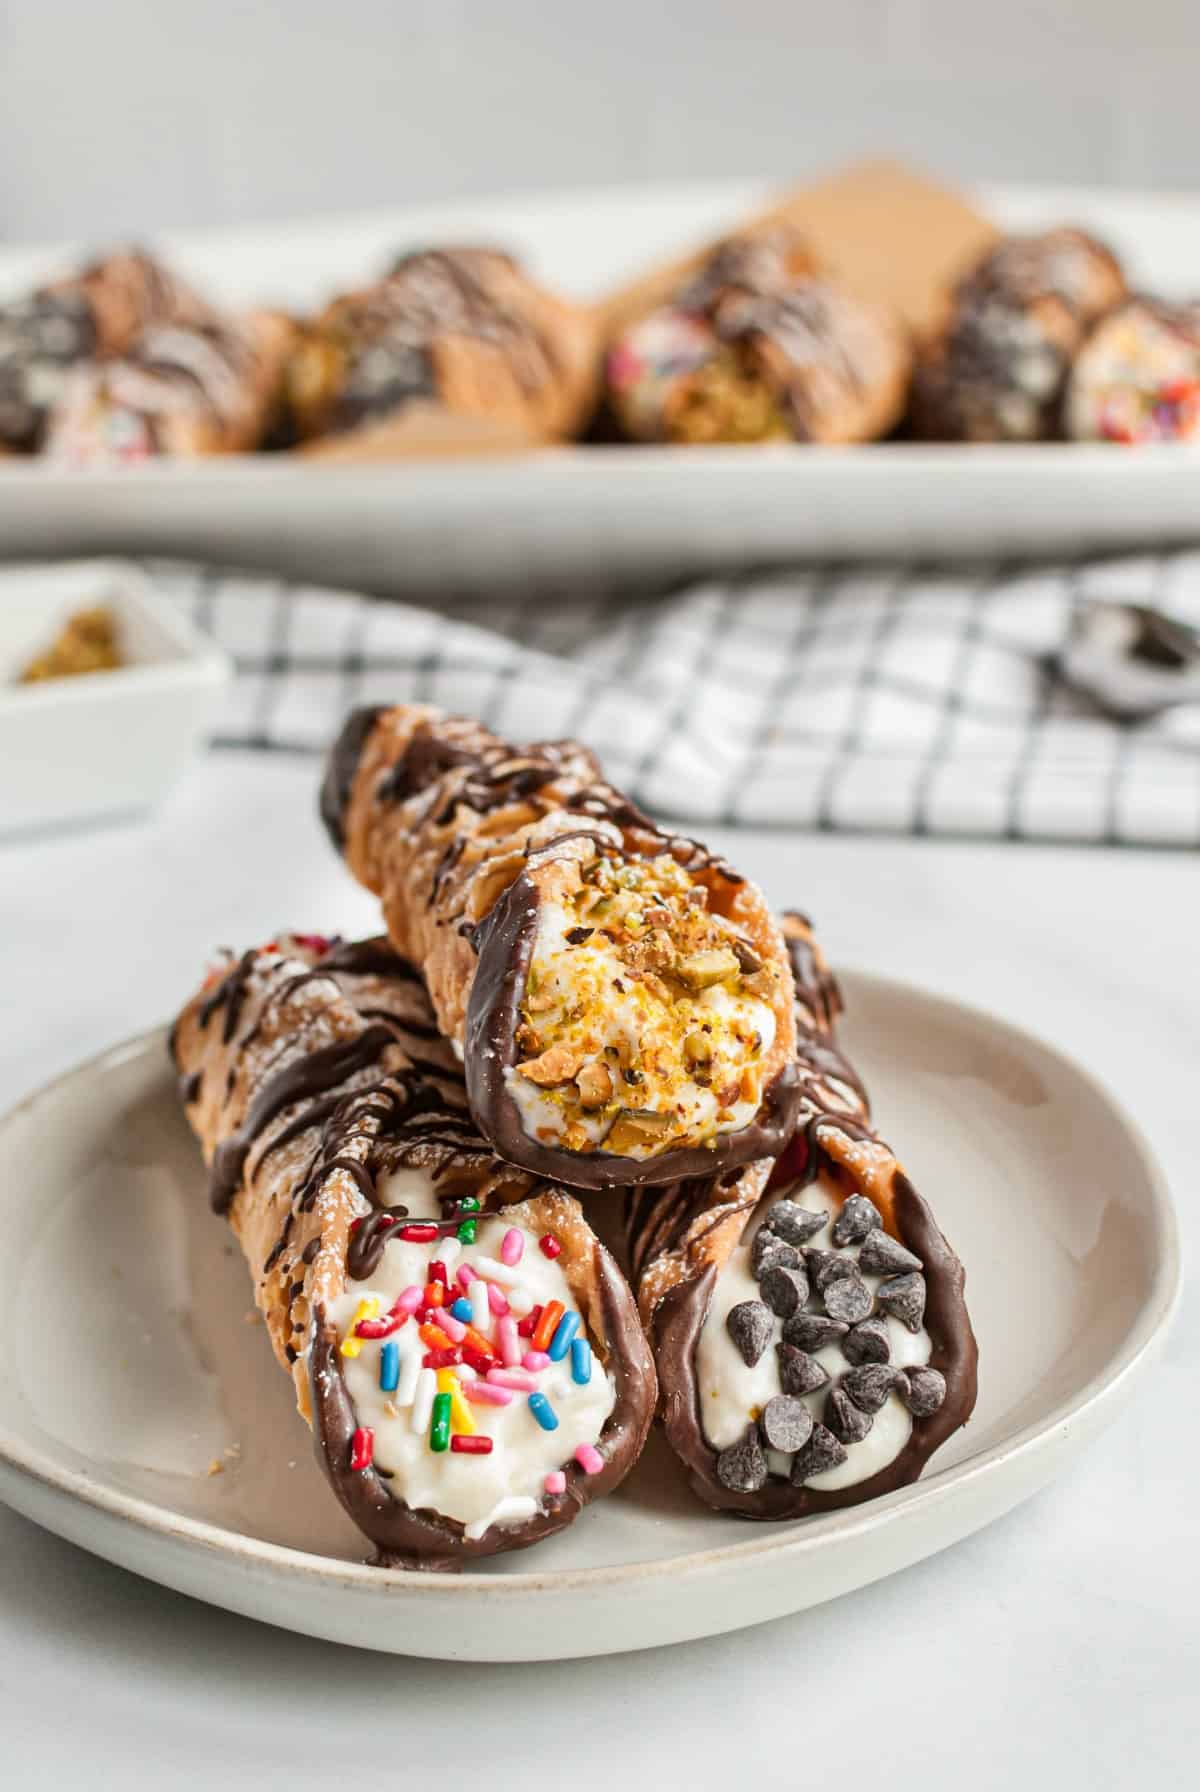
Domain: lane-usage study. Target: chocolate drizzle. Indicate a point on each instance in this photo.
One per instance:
(341, 767)
(229, 994)
(303, 1080)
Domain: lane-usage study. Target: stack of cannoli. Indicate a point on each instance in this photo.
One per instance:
(124, 360)
(411, 1137)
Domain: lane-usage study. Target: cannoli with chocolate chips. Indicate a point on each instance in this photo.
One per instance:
(996, 371)
(807, 1319)
(467, 1354)
(621, 998)
(461, 330)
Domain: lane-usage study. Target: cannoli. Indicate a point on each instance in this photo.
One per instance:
(186, 390)
(757, 346)
(621, 998)
(467, 1354)
(89, 316)
(995, 372)
(1137, 377)
(807, 1319)
(460, 330)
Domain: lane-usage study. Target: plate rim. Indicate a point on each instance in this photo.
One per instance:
(147, 1517)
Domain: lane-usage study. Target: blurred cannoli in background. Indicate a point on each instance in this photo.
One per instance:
(85, 317)
(461, 331)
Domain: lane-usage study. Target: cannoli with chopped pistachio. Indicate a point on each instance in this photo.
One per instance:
(620, 996)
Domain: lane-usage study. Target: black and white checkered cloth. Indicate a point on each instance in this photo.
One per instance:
(913, 701)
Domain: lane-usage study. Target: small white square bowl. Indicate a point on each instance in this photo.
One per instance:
(104, 743)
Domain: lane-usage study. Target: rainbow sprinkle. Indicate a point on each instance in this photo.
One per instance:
(581, 1361)
(564, 1335)
(484, 1341)
(439, 1429)
(368, 1308)
(543, 1412)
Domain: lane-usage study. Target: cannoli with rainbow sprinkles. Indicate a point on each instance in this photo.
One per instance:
(1137, 377)
(809, 1329)
(468, 1356)
(180, 389)
(88, 316)
(621, 998)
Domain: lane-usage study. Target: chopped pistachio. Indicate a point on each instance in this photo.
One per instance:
(700, 970)
(595, 1085)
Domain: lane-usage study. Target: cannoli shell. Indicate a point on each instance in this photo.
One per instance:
(678, 1241)
(463, 837)
(294, 1091)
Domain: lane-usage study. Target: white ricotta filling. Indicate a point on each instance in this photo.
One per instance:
(732, 1393)
(506, 1486)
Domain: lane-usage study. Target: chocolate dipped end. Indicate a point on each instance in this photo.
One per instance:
(337, 785)
(675, 1333)
(407, 1538)
(504, 941)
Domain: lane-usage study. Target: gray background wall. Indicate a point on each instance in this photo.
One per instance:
(139, 114)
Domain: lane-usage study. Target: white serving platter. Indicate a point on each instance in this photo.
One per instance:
(131, 1370)
(608, 513)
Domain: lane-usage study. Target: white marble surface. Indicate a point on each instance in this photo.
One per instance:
(1058, 1648)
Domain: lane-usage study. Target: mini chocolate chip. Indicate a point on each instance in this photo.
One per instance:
(826, 1266)
(812, 1331)
(799, 1373)
(786, 1424)
(870, 1386)
(749, 1325)
(748, 961)
(784, 1290)
(577, 935)
(848, 1298)
(858, 1217)
(743, 1467)
(926, 1391)
(868, 1341)
(822, 1451)
(904, 1297)
(844, 1419)
(795, 1223)
(768, 1249)
(882, 1255)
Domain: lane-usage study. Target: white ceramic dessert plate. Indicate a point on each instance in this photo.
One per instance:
(601, 513)
(132, 1371)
